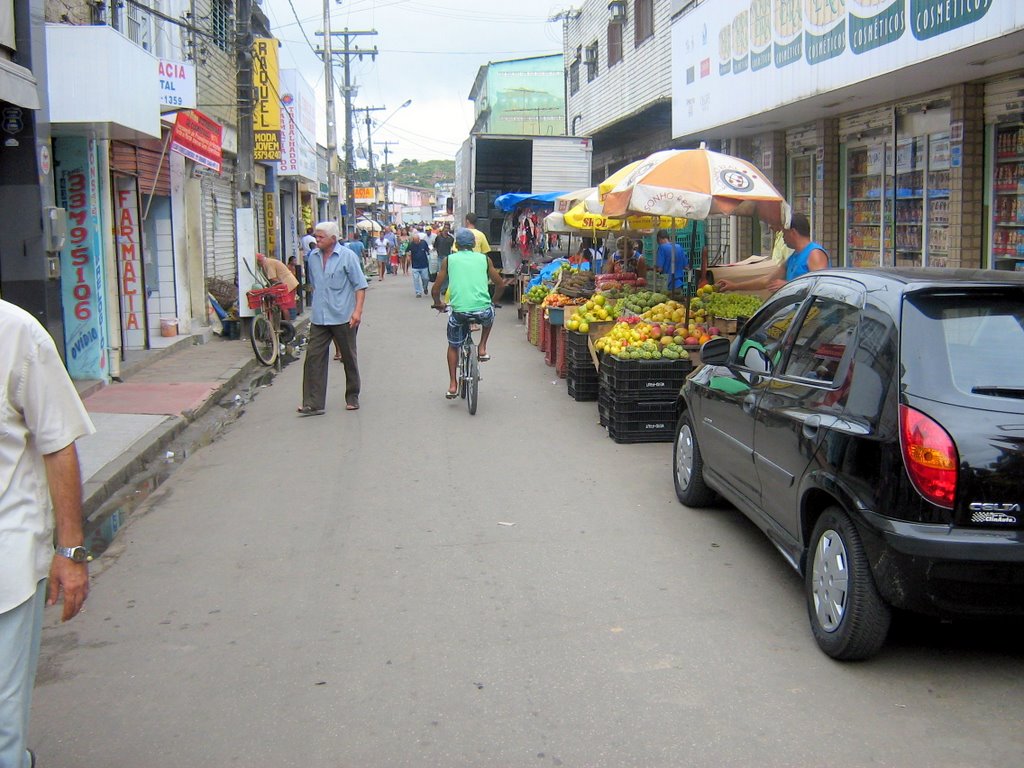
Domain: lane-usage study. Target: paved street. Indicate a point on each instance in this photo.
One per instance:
(406, 585)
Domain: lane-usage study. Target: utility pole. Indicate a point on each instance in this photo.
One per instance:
(387, 210)
(332, 129)
(244, 87)
(345, 53)
(369, 148)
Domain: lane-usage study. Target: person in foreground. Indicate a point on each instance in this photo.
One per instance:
(339, 289)
(808, 256)
(41, 416)
(467, 273)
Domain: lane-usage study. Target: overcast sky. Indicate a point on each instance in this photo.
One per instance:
(428, 52)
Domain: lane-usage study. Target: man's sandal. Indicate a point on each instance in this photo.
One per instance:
(308, 410)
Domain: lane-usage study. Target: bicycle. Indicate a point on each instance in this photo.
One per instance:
(269, 330)
(467, 371)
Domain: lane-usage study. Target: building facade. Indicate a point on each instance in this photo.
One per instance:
(618, 79)
(897, 126)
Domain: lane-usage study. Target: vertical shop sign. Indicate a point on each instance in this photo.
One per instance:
(266, 114)
(270, 221)
(760, 34)
(81, 262)
(129, 263)
(789, 26)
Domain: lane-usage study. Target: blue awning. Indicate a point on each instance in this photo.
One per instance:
(511, 200)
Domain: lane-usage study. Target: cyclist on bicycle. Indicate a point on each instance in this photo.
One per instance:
(466, 273)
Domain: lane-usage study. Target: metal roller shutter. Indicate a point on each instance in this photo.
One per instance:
(219, 222)
(149, 165)
(1004, 99)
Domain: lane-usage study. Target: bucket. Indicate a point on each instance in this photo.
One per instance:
(169, 327)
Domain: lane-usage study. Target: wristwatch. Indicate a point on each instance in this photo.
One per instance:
(77, 554)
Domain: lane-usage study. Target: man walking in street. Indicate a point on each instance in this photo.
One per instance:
(419, 255)
(308, 242)
(41, 416)
(467, 273)
(356, 245)
(381, 249)
(339, 290)
(480, 244)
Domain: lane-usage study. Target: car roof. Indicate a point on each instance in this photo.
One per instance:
(923, 278)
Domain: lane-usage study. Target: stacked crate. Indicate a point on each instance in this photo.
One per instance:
(637, 398)
(533, 320)
(581, 375)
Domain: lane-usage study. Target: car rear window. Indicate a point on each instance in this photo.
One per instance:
(977, 337)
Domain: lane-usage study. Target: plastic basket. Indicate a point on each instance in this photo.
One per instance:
(576, 348)
(279, 292)
(643, 379)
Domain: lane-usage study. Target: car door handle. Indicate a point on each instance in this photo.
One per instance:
(810, 427)
(748, 404)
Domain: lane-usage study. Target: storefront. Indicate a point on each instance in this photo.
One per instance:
(917, 178)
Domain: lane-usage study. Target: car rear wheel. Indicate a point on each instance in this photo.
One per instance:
(688, 466)
(849, 619)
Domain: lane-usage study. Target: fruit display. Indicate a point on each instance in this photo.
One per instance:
(732, 305)
(536, 294)
(666, 312)
(594, 310)
(554, 299)
(637, 340)
(574, 283)
(642, 301)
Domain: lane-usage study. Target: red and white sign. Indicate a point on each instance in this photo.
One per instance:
(198, 138)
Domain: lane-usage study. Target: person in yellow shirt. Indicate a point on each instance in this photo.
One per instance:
(481, 245)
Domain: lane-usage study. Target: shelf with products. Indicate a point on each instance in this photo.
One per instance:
(864, 199)
(1008, 198)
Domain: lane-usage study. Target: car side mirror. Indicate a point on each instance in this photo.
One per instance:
(715, 351)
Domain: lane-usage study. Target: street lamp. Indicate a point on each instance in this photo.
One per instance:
(369, 151)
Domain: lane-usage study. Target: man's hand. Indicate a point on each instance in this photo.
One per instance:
(72, 579)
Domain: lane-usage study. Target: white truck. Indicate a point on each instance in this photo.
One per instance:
(489, 165)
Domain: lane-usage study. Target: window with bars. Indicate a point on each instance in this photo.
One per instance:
(643, 20)
(574, 77)
(614, 43)
(220, 23)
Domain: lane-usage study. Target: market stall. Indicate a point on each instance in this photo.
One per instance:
(620, 341)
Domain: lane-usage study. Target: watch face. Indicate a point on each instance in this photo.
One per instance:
(75, 554)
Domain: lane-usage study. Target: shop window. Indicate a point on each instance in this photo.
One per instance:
(591, 61)
(643, 20)
(574, 77)
(614, 43)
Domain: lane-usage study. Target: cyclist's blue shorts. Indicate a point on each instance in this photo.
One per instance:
(458, 324)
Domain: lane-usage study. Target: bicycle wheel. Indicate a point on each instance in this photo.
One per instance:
(264, 340)
(474, 382)
(464, 351)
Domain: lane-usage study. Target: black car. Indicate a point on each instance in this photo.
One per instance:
(871, 423)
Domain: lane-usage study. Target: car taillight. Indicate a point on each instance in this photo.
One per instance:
(930, 457)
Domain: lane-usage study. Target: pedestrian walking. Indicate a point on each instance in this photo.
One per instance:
(356, 246)
(339, 290)
(381, 249)
(419, 258)
(41, 416)
(308, 242)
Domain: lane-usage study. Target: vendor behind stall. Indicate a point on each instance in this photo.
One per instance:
(808, 256)
(626, 259)
(663, 260)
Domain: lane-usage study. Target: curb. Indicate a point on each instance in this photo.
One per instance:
(103, 485)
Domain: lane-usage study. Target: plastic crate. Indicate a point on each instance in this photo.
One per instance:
(643, 379)
(533, 319)
(279, 292)
(561, 363)
(577, 349)
(551, 346)
(638, 421)
(581, 390)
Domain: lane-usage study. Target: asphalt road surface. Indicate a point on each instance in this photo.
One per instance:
(407, 585)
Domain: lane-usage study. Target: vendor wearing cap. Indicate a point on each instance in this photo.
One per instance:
(467, 273)
(808, 256)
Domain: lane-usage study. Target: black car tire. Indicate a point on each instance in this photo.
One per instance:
(849, 619)
(688, 466)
